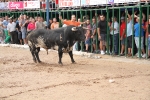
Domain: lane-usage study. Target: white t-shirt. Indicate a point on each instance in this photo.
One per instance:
(129, 28)
(11, 27)
(116, 26)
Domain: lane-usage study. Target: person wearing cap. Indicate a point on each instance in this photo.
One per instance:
(11, 27)
(122, 35)
(137, 34)
(114, 32)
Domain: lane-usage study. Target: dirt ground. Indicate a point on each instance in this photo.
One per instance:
(107, 78)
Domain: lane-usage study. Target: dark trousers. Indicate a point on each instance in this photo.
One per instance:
(14, 37)
(115, 42)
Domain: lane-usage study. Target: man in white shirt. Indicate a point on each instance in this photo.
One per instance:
(11, 27)
(114, 31)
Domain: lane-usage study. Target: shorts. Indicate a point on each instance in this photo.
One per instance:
(88, 41)
(149, 43)
(129, 39)
(23, 34)
(103, 37)
(123, 41)
(137, 42)
(19, 35)
(94, 41)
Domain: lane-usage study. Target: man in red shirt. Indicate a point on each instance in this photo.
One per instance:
(122, 35)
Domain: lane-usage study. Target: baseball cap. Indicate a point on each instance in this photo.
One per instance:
(122, 18)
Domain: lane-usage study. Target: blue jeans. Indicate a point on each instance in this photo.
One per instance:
(116, 41)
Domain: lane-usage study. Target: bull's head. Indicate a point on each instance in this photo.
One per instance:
(79, 33)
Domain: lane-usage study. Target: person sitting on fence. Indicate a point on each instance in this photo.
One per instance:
(137, 34)
(88, 35)
(5, 23)
(55, 24)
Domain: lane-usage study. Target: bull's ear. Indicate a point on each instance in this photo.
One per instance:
(74, 29)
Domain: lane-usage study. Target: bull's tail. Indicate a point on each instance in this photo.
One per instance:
(47, 51)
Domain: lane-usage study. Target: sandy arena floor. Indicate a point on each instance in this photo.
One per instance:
(107, 78)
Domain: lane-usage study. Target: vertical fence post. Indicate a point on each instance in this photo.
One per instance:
(91, 24)
(132, 32)
(108, 32)
(140, 30)
(126, 42)
(146, 29)
(119, 31)
(96, 31)
(113, 31)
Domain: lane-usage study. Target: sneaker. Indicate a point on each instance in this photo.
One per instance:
(121, 54)
(144, 56)
(129, 55)
(138, 55)
(102, 52)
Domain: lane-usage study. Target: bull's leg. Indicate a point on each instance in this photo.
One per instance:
(32, 50)
(71, 56)
(37, 54)
(60, 53)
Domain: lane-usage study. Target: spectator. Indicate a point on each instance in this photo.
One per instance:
(88, 35)
(31, 25)
(1, 31)
(44, 22)
(122, 35)
(102, 33)
(114, 31)
(137, 34)
(148, 35)
(50, 23)
(129, 34)
(18, 28)
(11, 27)
(94, 33)
(39, 24)
(22, 24)
(71, 22)
(5, 23)
(36, 19)
(55, 24)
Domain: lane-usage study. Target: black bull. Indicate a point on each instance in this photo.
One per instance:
(61, 39)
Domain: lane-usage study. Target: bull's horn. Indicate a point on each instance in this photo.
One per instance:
(74, 29)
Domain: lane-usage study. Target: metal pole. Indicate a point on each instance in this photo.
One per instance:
(132, 32)
(140, 30)
(146, 29)
(108, 33)
(126, 42)
(47, 12)
(119, 31)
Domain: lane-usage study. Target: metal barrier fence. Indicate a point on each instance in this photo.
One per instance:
(110, 13)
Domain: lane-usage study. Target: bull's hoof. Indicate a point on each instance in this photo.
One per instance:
(39, 61)
(60, 63)
(34, 61)
(73, 62)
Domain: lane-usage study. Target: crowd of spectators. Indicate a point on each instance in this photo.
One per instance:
(15, 31)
